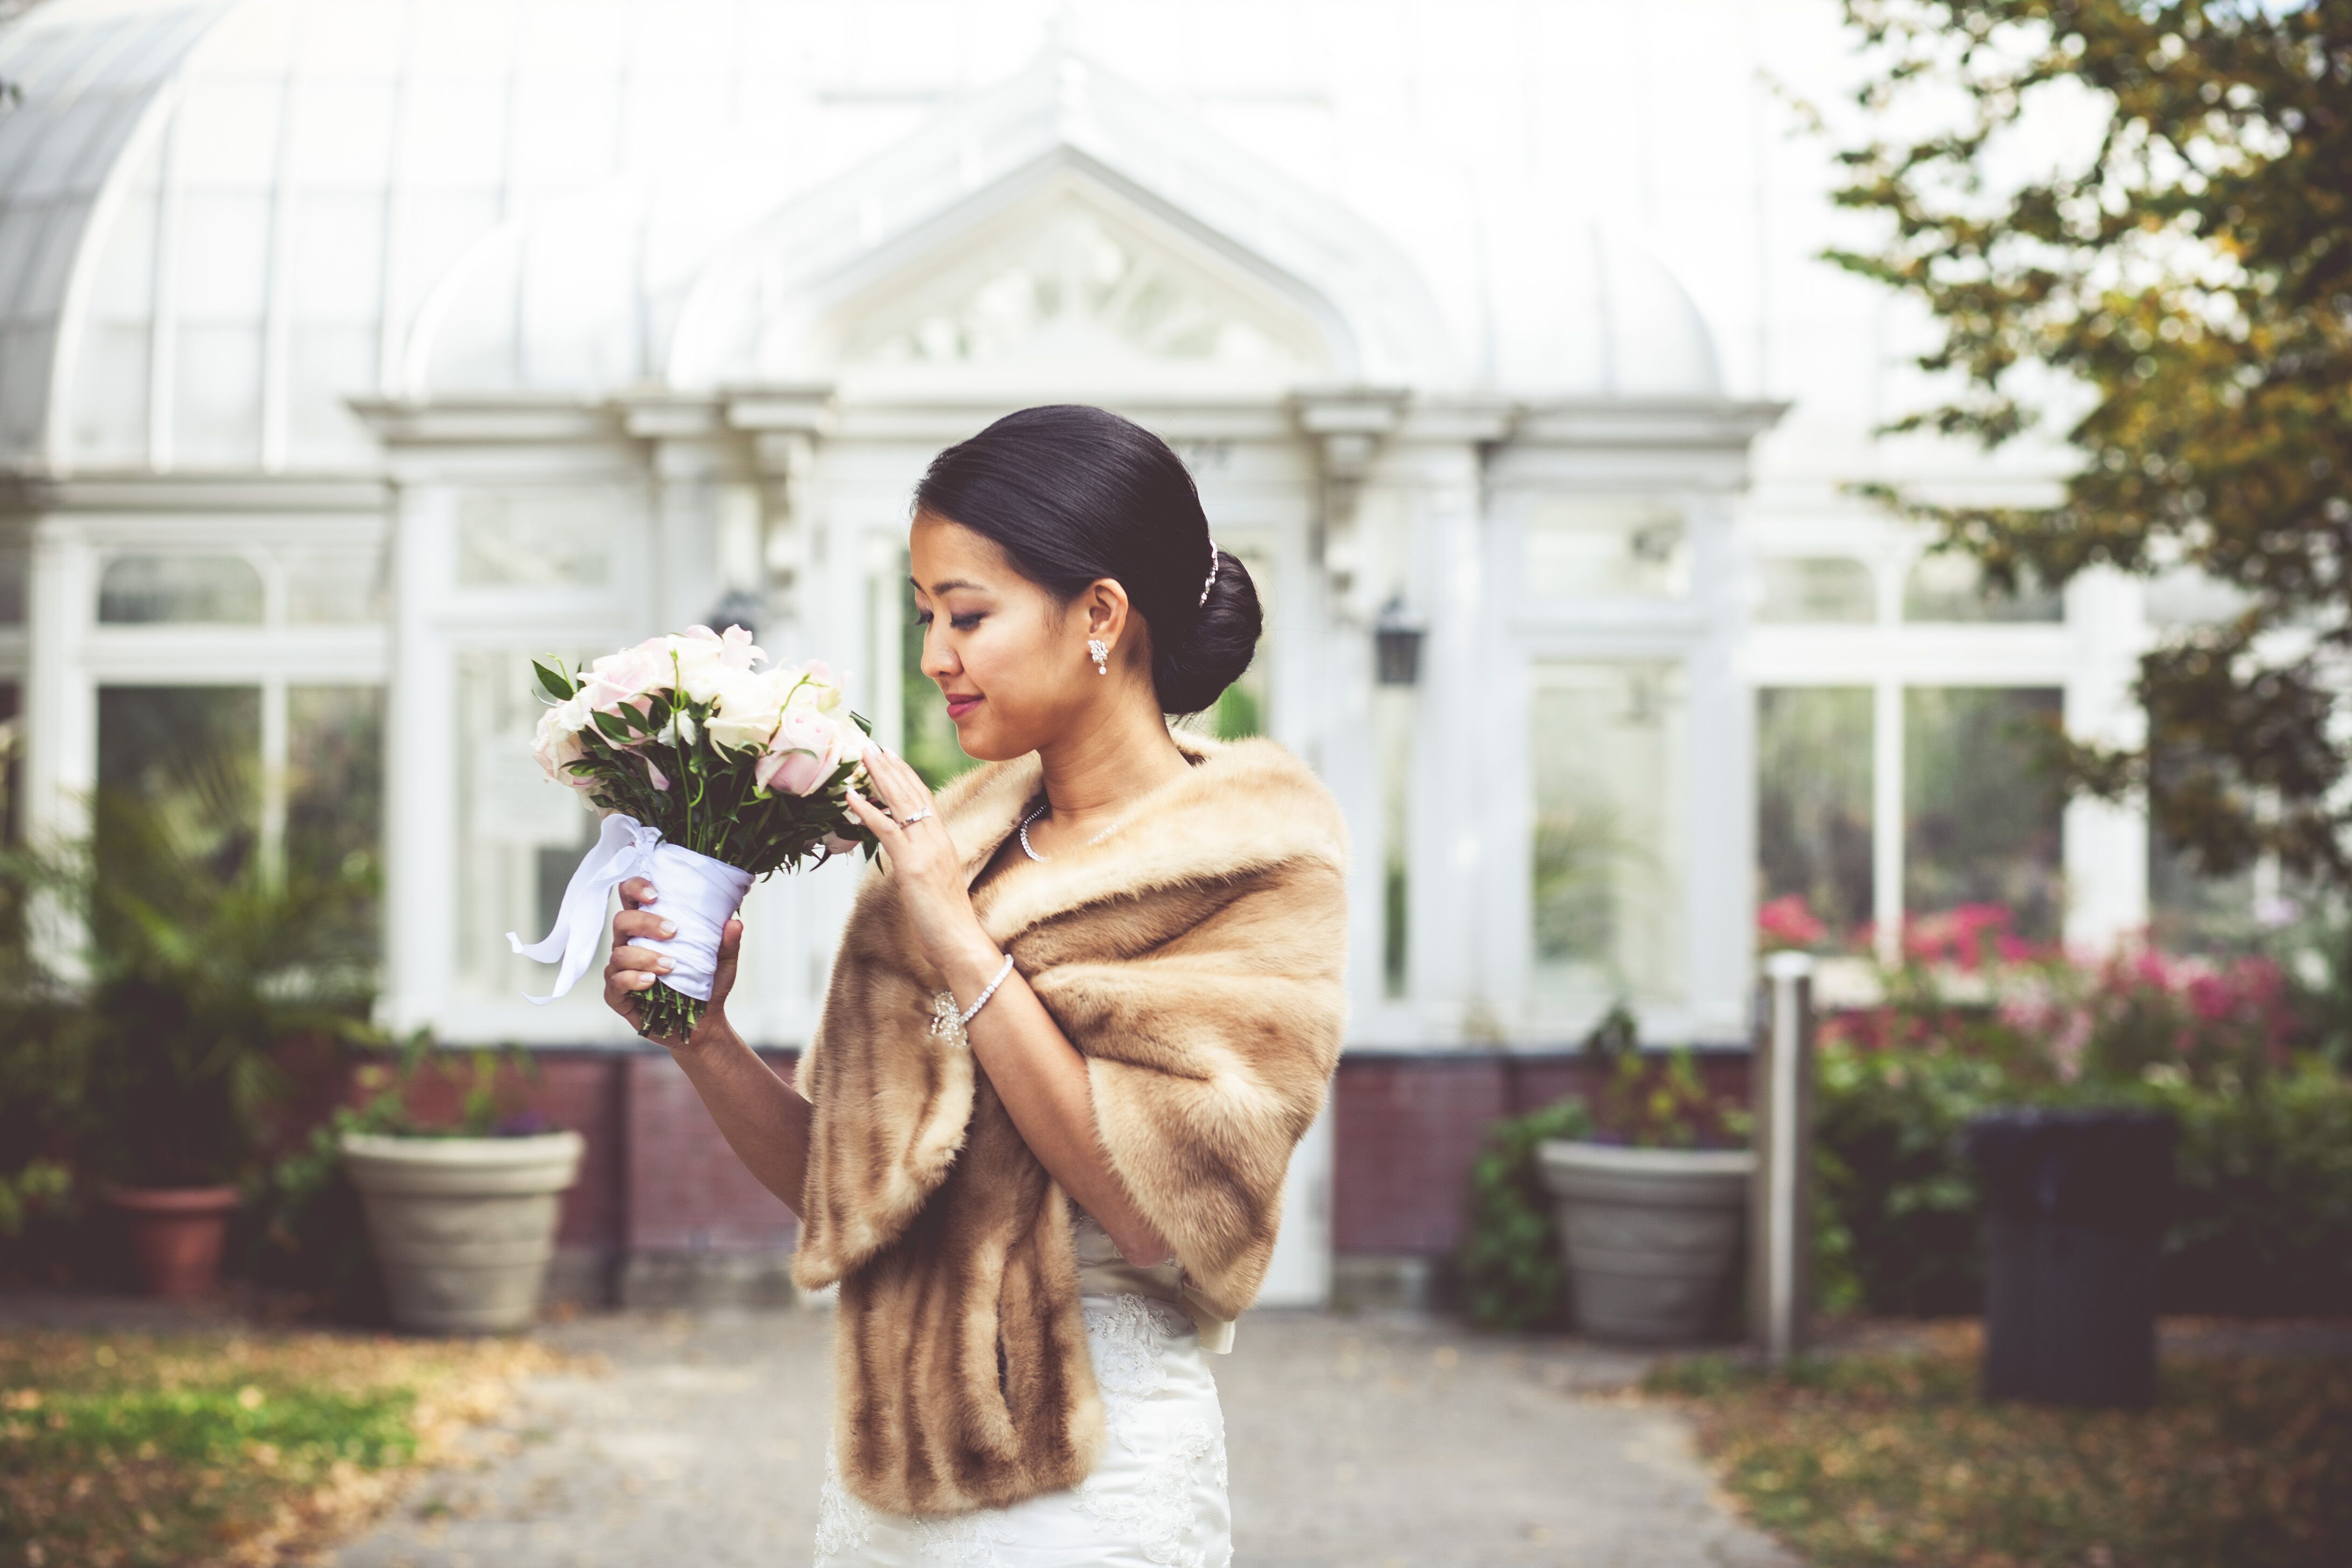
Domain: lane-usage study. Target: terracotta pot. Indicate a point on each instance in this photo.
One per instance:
(176, 1234)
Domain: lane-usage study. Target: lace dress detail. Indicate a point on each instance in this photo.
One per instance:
(843, 1524)
(1156, 1496)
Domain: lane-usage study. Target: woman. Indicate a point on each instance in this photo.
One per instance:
(1081, 1015)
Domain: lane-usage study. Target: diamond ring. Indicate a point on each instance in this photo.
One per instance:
(913, 817)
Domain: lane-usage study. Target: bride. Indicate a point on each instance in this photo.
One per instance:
(1084, 1007)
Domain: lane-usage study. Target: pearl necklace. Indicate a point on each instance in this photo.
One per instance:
(1031, 850)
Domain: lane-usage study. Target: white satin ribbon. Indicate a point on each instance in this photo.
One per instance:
(697, 896)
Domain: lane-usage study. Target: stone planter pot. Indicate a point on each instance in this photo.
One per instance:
(1651, 1236)
(176, 1234)
(463, 1227)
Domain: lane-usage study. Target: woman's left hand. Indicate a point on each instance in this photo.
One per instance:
(923, 862)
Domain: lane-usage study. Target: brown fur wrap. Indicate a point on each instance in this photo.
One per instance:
(1196, 957)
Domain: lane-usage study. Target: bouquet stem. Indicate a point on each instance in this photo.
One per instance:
(668, 1014)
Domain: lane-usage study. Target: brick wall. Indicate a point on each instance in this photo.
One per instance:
(1407, 1126)
(663, 1210)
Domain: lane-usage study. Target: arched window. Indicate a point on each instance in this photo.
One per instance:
(149, 590)
(1946, 587)
(1816, 589)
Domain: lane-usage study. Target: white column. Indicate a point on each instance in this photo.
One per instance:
(420, 762)
(1448, 836)
(687, 474)
(1719, 757)
(2106, 843)
(1886, 820)
(1886, 816)
(61, 764)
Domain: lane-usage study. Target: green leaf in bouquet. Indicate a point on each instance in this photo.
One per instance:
(611, 727)
(556, 681)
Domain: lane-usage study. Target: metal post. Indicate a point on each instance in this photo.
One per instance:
(1780, 1271)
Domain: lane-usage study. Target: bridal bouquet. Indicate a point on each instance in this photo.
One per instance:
(714, 768)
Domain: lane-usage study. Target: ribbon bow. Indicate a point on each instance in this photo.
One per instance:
(700, 895)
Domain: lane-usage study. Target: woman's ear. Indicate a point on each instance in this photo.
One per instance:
(1104, 604)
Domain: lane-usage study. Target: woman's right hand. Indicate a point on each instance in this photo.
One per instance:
(631, 970)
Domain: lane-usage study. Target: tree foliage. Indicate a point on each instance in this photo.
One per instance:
(2151, 204)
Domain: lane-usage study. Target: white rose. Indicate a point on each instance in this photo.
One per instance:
(810, 686)
(558, 744)
(744, 712)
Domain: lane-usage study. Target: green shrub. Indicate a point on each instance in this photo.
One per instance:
(1897, 1227)
(1508, 1265)
(2262, 1211)
(2263, 1206)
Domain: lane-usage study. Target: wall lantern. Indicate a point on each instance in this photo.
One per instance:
(1396, 641)
(738, 607)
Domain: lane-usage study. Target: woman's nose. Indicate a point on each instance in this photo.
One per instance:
(938, 661)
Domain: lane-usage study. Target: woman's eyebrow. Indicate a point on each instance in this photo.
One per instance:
(948, 585)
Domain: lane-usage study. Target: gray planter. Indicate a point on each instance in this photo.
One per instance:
(463, 1227)
(1651, 1234)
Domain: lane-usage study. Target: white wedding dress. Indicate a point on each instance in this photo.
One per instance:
(1157, 1498)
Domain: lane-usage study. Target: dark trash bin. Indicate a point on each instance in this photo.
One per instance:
(2075, 1204)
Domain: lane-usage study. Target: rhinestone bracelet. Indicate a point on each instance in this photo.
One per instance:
(948, 1023)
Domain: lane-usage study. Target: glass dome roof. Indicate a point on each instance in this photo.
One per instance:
(219, 222)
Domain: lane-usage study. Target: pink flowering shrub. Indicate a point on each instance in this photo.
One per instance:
(1970, 985)
(1787, 923)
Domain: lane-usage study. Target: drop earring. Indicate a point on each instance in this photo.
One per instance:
(1099, 651)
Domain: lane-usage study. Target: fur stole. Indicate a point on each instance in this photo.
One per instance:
(1195, 958)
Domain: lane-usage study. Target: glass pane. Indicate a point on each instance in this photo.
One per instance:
(1817, 588)
(1242, 711)
(1393, 708)
(2187, 597)
(1982, 815)
(1813, 806)
(2190, 909)
(329, 585)
(12, 746)
(930, 735)
(535, 539)
(14, 567)
(334, 793)
(1949, 586)
(1610, 745)
(141, 590)
(1595, 547)
(519, 835)
(192, 753)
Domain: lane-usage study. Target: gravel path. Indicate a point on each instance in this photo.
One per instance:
(1362, 1442)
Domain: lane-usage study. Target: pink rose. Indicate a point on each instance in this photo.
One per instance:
(801, 754)
(628, 678)
(558, 744)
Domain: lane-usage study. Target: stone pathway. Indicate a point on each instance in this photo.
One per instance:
(1355, 1443)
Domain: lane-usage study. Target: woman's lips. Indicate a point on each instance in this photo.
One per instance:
(960, 706)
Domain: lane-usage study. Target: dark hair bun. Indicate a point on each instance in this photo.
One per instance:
(1192, 672)
(1073, 494)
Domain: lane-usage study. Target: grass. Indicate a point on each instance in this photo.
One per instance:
(137, 1451)
(1893, 1459)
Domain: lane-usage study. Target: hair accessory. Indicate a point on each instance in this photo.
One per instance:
(1213, 575)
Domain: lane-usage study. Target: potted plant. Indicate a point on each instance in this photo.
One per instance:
(462, 1216)
(207, 969)
(1651, 1204)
